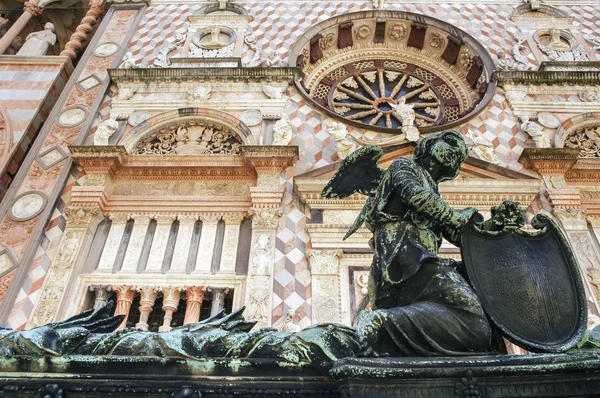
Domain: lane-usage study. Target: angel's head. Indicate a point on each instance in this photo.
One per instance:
(442, 154)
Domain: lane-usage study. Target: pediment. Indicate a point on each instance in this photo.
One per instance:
(480, 184)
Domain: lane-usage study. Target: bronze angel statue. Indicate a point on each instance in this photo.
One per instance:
(422, 306)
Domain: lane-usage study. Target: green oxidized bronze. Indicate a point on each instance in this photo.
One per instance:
(421, 304)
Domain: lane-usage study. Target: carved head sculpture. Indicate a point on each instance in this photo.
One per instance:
(441, 154)
(49, 26)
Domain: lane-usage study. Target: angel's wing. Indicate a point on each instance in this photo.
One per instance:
(359, 173)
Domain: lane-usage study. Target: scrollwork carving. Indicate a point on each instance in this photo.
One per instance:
(587, 140)
(81, 217)
(267, 218)
(324, 262)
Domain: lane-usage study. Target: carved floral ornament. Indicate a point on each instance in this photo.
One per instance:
(382, 59)
(581, 132)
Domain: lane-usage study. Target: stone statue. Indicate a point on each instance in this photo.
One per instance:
(273, 59)
(556, 43)
(106, 129)
(38, 43)
(128, 62)
(288, 324)
(482, 146)
(536, 132)
(214, 42)
(407, 114)
(339, 133)
(589, 95)
(421, 304)
(282, 131)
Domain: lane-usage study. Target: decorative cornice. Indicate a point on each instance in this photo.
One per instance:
(549, 161)
(213, 74)
(570, 77)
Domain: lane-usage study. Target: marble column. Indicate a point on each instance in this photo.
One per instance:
(101, 295)
(194, 297)
(124, 299)
(159, 243)
(171, 297)
(218, 299)
(113, 241)
(184, 240)
(30, 10)
(147, 298)
(230, 242)
(136, 243)
(207, 243)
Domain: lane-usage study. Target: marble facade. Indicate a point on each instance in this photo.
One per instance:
(197, 197)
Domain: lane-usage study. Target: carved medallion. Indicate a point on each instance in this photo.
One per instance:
(27, 206)
(251, 118)
(138, 117)
(106, 50)
(548, 120)
(72, 117)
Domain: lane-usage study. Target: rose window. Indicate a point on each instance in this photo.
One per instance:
(370, 96)
(369, 68)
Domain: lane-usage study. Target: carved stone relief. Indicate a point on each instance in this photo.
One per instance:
(586, 139)
(262, 259)
(182, 188)
(190, 137)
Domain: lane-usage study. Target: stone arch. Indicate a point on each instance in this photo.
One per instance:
(573, 125)
(209, 9)
(181, 116)
(525, 9)
(6, 137)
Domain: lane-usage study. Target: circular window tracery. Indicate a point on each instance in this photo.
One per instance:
(360, 66)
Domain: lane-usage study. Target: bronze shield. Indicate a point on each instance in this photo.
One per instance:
(528, 283)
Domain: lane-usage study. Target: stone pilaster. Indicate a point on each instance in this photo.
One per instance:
(171, 297)
(207, 243)
(184, 241)
(325, 282)
(124, 299)
(194, 297)
(113, 241)
(230, 242)
(101, 295)
(136, 243)
(81, 224)
(147, 298)
(159, 242)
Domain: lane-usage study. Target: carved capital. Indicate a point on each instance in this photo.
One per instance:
(164, 219)
(124, 293)
(81, 217)
(195, 293)
(210, 218)
(572, 219)
(233, 219)
(324, 262)
(171, 295)
(267, 218)
(147, 294)
(187, 218)
(119, 218)
(33, 8)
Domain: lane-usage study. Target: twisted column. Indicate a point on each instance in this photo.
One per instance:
(31, 9)
(195, 297)
(124, 300)
(80, 36)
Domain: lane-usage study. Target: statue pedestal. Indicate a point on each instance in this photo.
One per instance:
(535, 375)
